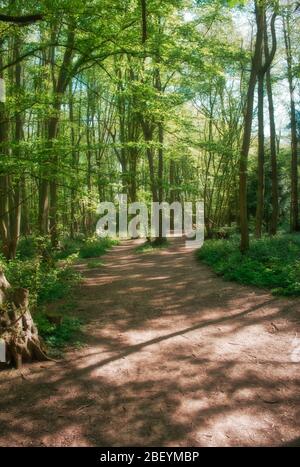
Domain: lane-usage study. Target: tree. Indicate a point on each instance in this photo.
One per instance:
(255, 66)
(294, 219)
(266, 58)
(273, 148)
(17, 328)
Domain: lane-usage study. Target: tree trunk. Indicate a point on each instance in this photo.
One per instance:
(260, 158)
(63, 79)
(148, 135)
(89, 128)
(4, 185)
(25, 225)
(73, 226)
(160, 178)
(259, 13)
(52, 134)
(294, 222)
(172, 191)
(273, 149)
(15, 192)
(17, 328)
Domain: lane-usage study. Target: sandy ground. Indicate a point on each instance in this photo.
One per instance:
(174, 356)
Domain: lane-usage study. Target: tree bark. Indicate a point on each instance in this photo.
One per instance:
(294, 218)
(260, 158)
(144, 20)
(15, 191)
(259, 13)
(63, 79)
(273, 148)
(17, 328)
(4, 181)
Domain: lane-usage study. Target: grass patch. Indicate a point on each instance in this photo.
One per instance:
(94, 247)
(271, 262)
(94, 264)
(85, 248)
(148, 247)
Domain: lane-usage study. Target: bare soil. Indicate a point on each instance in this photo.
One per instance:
(174, 356)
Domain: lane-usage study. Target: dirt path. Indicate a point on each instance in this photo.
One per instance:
(175, 357)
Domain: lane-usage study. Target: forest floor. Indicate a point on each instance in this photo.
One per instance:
(174, 356)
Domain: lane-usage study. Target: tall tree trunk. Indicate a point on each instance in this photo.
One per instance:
(172, 190)
(89, 128)
(148, 136)
(133, 175)
(73, 226)
(60, 85)
(15, 192)
(259, 13)
(294, 220)
(4, 184)
(25, 225)
(160, 176)
(52, 134)
(260, 158)
(43, 208)
(273, 148)
(43, 205)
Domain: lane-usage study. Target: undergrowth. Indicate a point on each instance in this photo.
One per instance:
(271, 262)
(49, 276)
(148, 247)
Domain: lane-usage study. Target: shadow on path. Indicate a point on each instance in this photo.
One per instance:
(175, 356)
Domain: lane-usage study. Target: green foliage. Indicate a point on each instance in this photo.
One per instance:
(84, 248)
(27, 248)
(224, 231)
(57, 335)
(148, 247)
(45, 283)
(59, 284)
(69, 248)
(37, 269)
(32, 246)
(271, 262)
(94, 246)
(94, 264)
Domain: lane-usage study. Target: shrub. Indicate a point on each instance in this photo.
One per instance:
(27, 248)
(84, 248)
(69, 247)
(57, 335)
(33, 246)
(94, 246)
(45, 283)
(271, 262)
(148, 247)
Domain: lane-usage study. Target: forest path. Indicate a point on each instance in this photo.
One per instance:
(175, 356)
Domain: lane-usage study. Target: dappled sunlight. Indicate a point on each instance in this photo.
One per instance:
(149, 168)
(181, 358)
